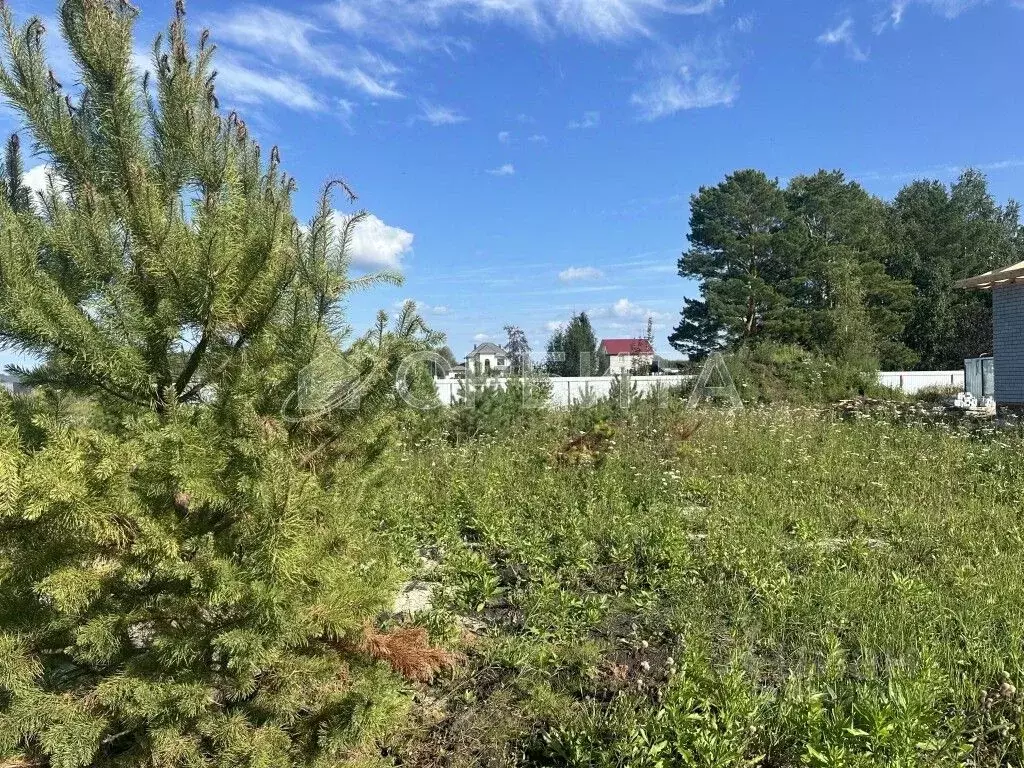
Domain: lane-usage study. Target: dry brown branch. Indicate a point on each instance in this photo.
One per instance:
(408, 651)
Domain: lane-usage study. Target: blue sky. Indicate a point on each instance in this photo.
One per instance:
(528, 159)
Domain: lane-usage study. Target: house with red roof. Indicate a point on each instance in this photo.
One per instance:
(621, 356)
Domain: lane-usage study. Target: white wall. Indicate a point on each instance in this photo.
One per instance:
(619, 364)
(914, 381)
(483, 359)
(566, 390)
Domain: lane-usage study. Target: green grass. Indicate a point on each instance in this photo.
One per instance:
(783, 588)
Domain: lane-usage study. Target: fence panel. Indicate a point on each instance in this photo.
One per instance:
(914, 381)
(980, 376)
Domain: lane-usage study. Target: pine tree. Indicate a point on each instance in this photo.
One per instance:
(572, 351)
(735, 239)
(184, 570)
(12, 171)
(844, 304)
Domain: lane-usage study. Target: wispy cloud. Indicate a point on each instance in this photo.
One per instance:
(345, 109)
(435, 114)
(843, 35)
(580, 273)
(410, 22)
(625, 308)
(625, 314)
(283, 38)
(423, 307)
(503, 170)
(938, 171)
(538, 138)
(694, 76)
(948, 8)
(589, 120)
(252, 85)
(504, 137)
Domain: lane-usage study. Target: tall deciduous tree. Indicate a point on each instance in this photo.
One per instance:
(518, 348)
(184, 576)
(942, 235)
(735, 253)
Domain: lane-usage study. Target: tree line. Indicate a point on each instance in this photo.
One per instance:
(823, 264)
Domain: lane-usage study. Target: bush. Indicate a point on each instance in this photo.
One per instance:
(936, 395)
(487, 407)
(788, 373)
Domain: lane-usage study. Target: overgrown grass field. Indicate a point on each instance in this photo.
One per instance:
(779, 587)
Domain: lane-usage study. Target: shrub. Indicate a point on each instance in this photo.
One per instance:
(788, 373)
(487, 407)
(936, 395)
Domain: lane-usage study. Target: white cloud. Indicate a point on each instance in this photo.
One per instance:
(589, 120)
(580, 273)
(36, 178)
(438, 115)
(424, 308)
(744, 23)
(842, 35)
(538, 138)
(409, 21)
(626, 309)
(481, 337)
(948, 8)
(345, 108)
(939, 171)
(503, 170)
(504, 137)
(369, 85)
(283, 38)
(376, 245)
(250, 86)
(695, 76)
(554, 325)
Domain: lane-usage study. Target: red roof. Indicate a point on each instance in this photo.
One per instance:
(626, 347)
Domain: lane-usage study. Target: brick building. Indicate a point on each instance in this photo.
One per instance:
(1007, 286)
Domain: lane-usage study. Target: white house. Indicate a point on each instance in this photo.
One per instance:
(621, 356)
(487, 360)
(1007, 286)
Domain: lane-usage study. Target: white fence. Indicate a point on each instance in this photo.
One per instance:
(568, 390)
(914, 381)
